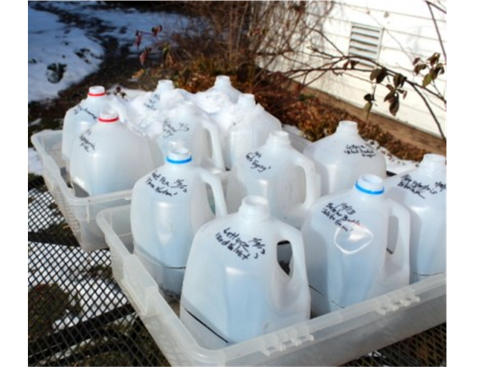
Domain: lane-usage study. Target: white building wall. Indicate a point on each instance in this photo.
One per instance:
(408, 32)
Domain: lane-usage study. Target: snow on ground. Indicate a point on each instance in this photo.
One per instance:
(53, 44)
(58, 55)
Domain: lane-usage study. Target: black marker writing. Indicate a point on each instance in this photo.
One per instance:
(243, 249)
(363, 150)
(253, 158)
(85, 143)
(420, 189)
(340, 215)
(160, 184)
(80, 108)
(169, 129)
(152, 101)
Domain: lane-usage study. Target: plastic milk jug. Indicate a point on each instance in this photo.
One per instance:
(281, 174)
(343, 157)
(243, 127)
(108, 157)
(356, 246)
(221, 95)
(188, 126)
(423, 191)
(80, 118)
(168, 206)
(234, 288)
(146, 113)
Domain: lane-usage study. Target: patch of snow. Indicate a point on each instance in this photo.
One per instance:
(58, 55)
(34, 163)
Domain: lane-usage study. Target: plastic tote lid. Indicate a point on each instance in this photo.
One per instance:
(370, 184)
(96, 91)
(108, 117)
(179, 156)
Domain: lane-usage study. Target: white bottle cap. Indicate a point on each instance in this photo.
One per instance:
(278, 137)
(96, 91)
(108, 117)
(254, 208)
(347, 127)
(370, 184)
(179, 156)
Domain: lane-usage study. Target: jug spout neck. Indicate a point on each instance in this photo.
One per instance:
(279, 138)
(433, 162)
(254, 208)
(371, 185)
(347, 128)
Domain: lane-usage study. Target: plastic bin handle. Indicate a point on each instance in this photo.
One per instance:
(217, 190)
(217, 154)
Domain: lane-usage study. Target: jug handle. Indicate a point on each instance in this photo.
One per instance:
(217, 190)
(294, 236)
(400, 256)
(312, 181)
(217, 153)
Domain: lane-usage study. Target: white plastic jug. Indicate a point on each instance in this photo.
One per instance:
(80, 118)
(146, 113)
(356, 246)
(243, 127)
(221, 95)
(168, 206)
(234, 288)
(281, 174)
(343, 157)
(108, 157)
(423, 191)
(188, 126)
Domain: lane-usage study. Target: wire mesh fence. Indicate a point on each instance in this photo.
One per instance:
(78, 316)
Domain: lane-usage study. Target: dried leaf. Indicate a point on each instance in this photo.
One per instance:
(375, 73)
(369, 97)
(416, 60)
(389, 96)
(390, 87)
(419, 67)
(434, 59)
(381, 76)
(399, 80)
(394, 105)
(427, 79)
(368, 107)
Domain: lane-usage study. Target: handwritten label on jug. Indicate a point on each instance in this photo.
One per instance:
(243, 249)
(80, 108)
(170, 129)
(340, 215)
(152, 101)
(85, 143)
(363, 150)
(161, 185)
(255, 163)
(420, 189)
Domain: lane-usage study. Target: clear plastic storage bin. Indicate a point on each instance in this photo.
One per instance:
(79, 212)
(328, 340)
